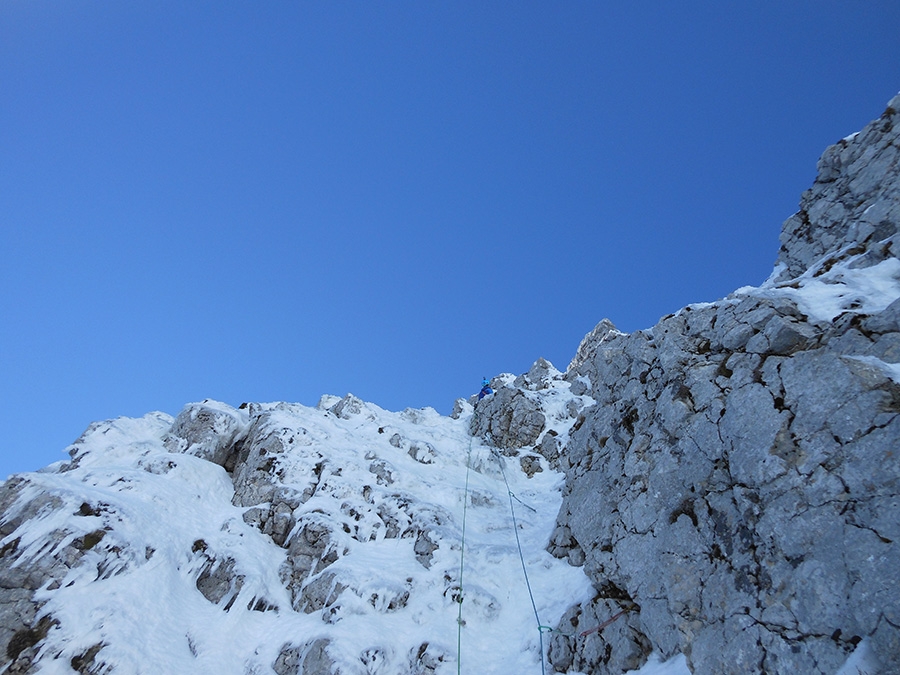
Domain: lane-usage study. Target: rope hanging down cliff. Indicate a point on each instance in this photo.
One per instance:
(512, 509)
(462, 553)
(486, 391)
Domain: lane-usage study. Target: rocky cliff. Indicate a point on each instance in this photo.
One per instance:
(736, 484)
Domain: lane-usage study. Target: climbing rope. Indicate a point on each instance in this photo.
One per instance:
(462, 552)
(512, 509)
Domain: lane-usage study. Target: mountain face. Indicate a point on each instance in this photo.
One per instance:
(736, 483)
(287, 539)
(723, 486)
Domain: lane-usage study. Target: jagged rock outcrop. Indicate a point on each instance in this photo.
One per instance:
(528, 416)
(735, 487)
(20, 628)
(509, 419)
(32, 562)
(854, 202)
(591, 342)
(210, 431)
(274, 489)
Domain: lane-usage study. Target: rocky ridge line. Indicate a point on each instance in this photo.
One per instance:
(735, 487)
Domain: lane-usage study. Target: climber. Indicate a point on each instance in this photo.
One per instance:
(485, 389)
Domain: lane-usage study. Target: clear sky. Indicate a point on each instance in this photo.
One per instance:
(258, 201)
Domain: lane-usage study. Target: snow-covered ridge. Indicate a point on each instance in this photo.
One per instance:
(850, 280)
(282, 538)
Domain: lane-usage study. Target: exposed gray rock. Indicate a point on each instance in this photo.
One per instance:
(510, 418)
(854, 202)
(530, 465)
(313, 539)
(598, 637)
(317, 661)
(23, 646)
(87, 663)
(211, 432)
(277, 520)
(21, 631)
(766, 476)
(736, 484)
(288, 661)
(591, 342)
(549, 448)
(309, 659)
(348, 406)
(310, 550)
(459, 406)
(17, 614)
(538, 376)
(256, 466)
(384, 472)
(218, 581)
(422, 451)
(424, 548)
(426, 659)
(321, 592)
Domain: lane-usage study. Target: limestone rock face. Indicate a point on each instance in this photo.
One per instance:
(587, 350)
(736, 486)
(20, 630)
(854, 201)
(207, 430)
(511, 417)
(43, 559)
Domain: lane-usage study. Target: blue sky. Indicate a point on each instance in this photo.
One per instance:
(271, 201)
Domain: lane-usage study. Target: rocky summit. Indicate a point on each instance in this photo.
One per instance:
(720, 492)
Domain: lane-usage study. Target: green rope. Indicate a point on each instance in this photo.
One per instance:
(462, 551)
(512, 510)
(512, 496)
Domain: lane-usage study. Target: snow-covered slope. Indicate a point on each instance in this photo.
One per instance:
(332, 540)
